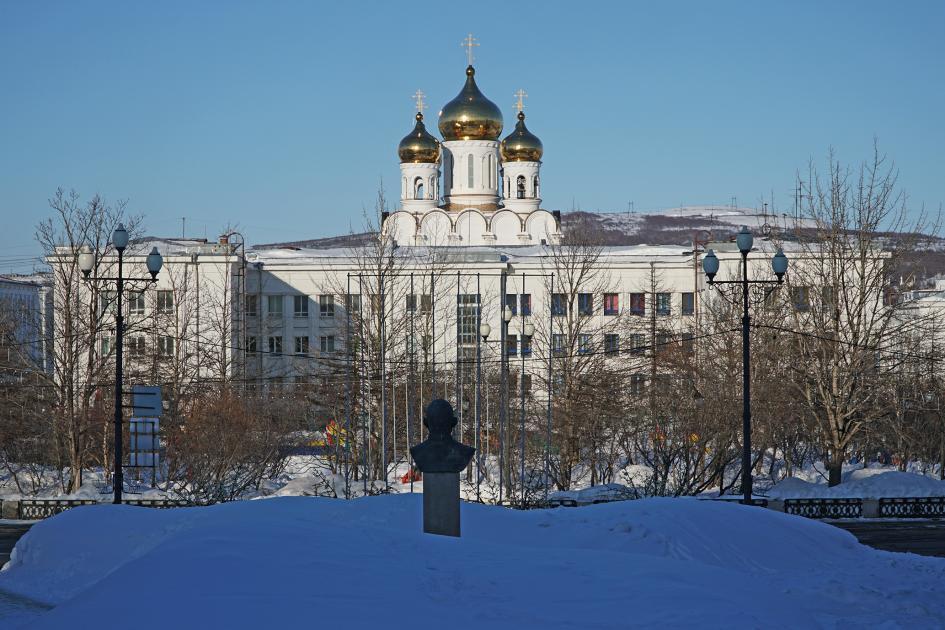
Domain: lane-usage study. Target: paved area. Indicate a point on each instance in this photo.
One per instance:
(9, 534)
(924, 537)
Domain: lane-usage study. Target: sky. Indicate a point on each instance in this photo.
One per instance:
(283, 118)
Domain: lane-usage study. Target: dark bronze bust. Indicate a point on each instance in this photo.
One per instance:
(440, 453)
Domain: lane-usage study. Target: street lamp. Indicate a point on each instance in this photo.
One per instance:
(153, 262)
(528, 330)
(779, 264)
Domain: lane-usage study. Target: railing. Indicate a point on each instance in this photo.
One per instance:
(33, 509)
(824, 508)
(913, 507)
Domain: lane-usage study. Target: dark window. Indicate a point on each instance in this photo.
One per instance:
(525, 299)
(637, 343)
(326, 306)
(300, 305)
(273, 303)
(520, 187)
(511, 345)
(688, 303)
(663, 341)
(688, 342)
(637, 384)
(327, 343)
(800, 297)
(585, 343)
(559, 304)
(301, 345)
(638, 303)
(251, 344)
(353, 302)
(557, 344)
(586, 303)
(663, 301)
(166, 346)
(611, 304)
(275, 345)
(426, 303)
(165, 301)
(467, 306)
(611, 343)
(252, 305)
(526, 346)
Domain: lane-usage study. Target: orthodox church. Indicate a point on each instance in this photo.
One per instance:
(471, 187)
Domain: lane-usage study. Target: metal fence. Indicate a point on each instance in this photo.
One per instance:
(913, 507)
(824, 508)
(34, 509)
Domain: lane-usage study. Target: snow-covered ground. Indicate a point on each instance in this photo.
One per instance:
(294, 561)
(863, 483)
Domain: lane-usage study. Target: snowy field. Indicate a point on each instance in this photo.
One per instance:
(303, 561)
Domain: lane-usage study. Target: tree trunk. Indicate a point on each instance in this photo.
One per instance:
(834, 469)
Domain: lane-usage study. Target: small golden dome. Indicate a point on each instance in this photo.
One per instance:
(470, 116)
(521, 145)
(419, 146)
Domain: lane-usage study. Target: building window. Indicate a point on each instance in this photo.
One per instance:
(136, 303)
(637, 384)
(300, 305)
(511, 345)
(275, 345)
(527, 383)
(251, 345)
(274, 305)
(557, 383)
(611, 304)
(165, 302)
(663, 341)
(353, 303)
(612, 343)
(107, 344)
(525, 299)
(559, 304)
(467, 314)
(520, 187)
(557, 344)
(471, 168)
(327, 343)
(166, 346)
(586, 303)
(252, 305)
(136, 347)
(638, 303)
(326, 305)
(535, 184)
(637, 343)
(688, 303)
(511, 300)
(301, 345)
(418, 188)
(800, 297)
(585, 343)
(663, 301)
(107, 302)
(411, 303)
(526, 346)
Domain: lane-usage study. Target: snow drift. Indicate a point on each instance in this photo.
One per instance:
(364, 563)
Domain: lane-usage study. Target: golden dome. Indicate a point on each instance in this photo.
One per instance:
(470, 116)
(418, 145)
(521, 145)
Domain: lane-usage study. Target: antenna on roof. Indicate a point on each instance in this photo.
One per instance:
(183, 227)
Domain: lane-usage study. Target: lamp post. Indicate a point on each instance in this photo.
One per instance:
(86, 264)
(484, 330)
(504, 410)
(779, 264)
(528, 330)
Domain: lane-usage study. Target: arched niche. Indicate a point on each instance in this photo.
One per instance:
(471, 227)
(401, 226)
(436, 227)
(541, 226)
(506, 226)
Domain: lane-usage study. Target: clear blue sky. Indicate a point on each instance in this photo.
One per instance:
(282, 117)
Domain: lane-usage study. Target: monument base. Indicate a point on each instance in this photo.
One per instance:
(441, 503)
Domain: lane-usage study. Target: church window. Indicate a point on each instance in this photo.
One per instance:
(520, 187)
(418, 188)
(535, 188)
(472, 167)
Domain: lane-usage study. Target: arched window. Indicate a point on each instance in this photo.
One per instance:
(472, 167)
(535, 187)
(520, 187)
(418, 188)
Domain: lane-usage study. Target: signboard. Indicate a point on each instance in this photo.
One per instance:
(144, 442)
(146, 400)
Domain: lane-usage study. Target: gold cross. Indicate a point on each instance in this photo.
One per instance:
(418, 96)
(468, 44)
(520, 102)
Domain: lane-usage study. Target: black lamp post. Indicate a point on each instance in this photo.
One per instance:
(86, 264)
(779, 264)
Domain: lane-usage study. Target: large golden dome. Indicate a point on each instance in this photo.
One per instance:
(470, 116)
(419, 145)
(521, 145)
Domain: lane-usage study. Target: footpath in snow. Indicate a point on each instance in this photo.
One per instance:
(294, 561)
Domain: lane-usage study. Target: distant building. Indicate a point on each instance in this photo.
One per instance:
(26, 322)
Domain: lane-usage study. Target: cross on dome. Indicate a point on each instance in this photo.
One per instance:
(469, 43)
(520, 96)
(418, 97)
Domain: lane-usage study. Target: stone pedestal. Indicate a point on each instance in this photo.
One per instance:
(441, 458)
(441, 503)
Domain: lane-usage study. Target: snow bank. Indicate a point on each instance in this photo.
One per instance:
(864, 483)
(364, 563)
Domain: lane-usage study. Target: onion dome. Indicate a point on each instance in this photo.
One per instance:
(521, 145)
(470, 116)
(419, 146)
